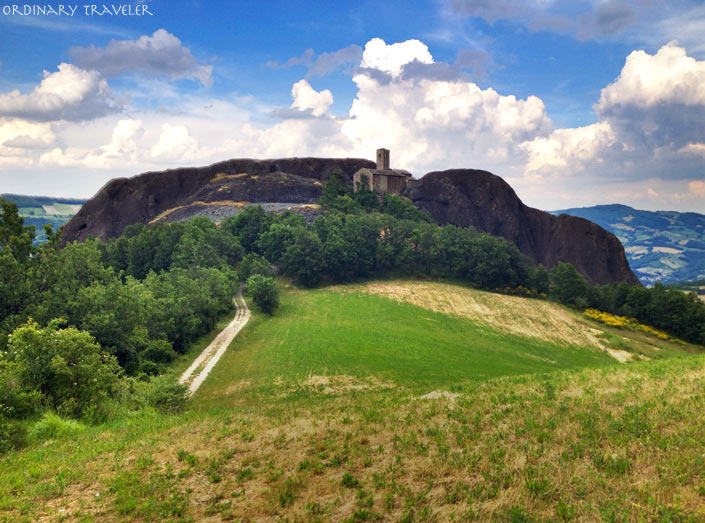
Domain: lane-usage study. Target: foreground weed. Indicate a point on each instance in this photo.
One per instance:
(150, 497)
(186, 457)
(287, 492)
(349, 481)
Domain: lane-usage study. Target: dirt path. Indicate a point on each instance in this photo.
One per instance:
(198, 371)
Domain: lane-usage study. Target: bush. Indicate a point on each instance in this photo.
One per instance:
(164, 394)
(264, 293)
(568, 286)
(69, 370)
(53, 426)
(16, 402)
(12, 434)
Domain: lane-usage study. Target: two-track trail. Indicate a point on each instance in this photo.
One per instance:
(198, 371)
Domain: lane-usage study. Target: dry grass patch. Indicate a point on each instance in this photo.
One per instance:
(223, 176)
(519, 316)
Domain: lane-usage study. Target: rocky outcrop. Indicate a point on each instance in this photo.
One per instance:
(459, 196)
(146, 197)
(466, 197)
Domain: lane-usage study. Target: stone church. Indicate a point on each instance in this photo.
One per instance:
(382, 179)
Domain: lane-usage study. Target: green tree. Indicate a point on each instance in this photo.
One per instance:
(265, 294)
(304, 259)
(538, 279)
(273, 243)
(16, 250)
(66, 366)
(335, 187)
(363, 196)
(248, 225)
(15, 237)
(403, 208)
(252, 264)
(568, 286)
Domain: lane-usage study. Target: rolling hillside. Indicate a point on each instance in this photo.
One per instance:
(661, 246)
(416, 335)
(396, 400)
(40, 210)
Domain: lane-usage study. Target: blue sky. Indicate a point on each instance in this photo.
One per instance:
(574, 103)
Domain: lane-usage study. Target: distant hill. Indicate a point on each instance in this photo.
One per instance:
(38, 210)
(661, 246)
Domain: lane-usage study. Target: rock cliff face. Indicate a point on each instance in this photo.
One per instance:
(153, 196)
(470, 197)
(459, 196)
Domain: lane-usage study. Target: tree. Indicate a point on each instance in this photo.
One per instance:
(538, 279)
(276, 240)
(264, 292)
(252, 264)
(15, 237)
(402, 208)
(568, 286)
(248, 225)
(66, 366)
(334, 188)
(304, 259)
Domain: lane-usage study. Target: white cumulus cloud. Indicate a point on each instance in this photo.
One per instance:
(70, 93)
(650, 126)
(20, 140)
(122, 149)
(307, 98)
(433, 123)
(393, 57)
(650, 118)
(175, 143)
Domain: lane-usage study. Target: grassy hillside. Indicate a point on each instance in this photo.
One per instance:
(397, 400)
(376, 336)
(40, 210)
(661, 246)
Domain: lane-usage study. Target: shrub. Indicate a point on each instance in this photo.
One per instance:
(264, 293)
(164, 394)
(12, 433)
(16, 401)
(53, 426)
(69, 370)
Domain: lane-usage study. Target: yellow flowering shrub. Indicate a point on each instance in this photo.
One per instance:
(624, 322)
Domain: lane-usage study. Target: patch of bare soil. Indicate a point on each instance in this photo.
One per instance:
(440, 394)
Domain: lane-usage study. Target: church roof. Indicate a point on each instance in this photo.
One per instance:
(386, 172)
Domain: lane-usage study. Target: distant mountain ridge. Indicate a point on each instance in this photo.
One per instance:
(661, 246)
(40, 210)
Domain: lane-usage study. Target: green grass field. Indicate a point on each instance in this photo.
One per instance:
(318, 414)
(327, 333)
